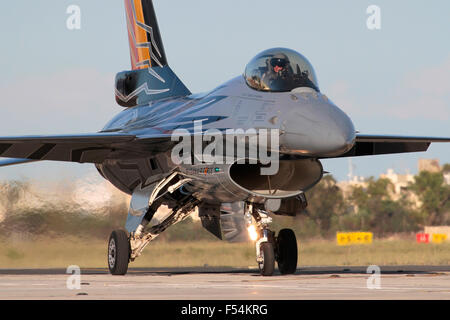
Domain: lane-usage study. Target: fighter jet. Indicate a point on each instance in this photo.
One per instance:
(256, 142)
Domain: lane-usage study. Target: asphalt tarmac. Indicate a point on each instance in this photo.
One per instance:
(211, 283)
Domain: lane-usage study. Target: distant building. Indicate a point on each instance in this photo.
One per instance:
(347, 186)
(447, 178)
(400, 181)
(431, 165)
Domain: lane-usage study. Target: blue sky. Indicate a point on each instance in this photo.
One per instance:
(390, 81)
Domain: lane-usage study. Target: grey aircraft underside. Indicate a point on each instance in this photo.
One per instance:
(134, 151)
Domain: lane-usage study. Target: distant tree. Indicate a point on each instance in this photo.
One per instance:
(380, 189)
(446, 168)
(434, 196)
(325, 201)
(359, 198)
(376, 211)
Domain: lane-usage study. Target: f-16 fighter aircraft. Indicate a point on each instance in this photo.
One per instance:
(256, 140)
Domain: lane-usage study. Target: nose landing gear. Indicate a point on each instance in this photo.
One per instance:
(270, 248)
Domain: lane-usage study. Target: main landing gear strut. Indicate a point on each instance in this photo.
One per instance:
(124, 248)
(271, 248)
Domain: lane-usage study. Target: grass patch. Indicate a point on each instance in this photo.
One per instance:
(13, 254)
(380, 252)
(62, 252)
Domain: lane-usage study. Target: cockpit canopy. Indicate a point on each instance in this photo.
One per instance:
(280, 70)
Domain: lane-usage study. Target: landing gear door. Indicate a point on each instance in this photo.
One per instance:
(139, 206)
(290, 206)
(209, 214)
(233, 223)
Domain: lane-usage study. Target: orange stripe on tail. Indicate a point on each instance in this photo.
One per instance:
(140, 56)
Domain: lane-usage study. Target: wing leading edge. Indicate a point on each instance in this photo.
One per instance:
(369, 145)
(87, 148)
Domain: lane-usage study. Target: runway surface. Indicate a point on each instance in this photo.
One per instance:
(399, 282)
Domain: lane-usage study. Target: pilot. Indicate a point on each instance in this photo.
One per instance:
(279, 72)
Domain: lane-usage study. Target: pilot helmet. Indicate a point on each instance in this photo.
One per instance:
(279, 62)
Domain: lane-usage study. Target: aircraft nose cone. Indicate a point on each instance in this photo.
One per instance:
(339, 141)
(325, 131)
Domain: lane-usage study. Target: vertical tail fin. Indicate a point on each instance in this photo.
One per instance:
(146, 47)
(151, 78)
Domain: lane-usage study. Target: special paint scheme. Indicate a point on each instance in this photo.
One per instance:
(278, 92)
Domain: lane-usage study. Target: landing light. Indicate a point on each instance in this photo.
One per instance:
(252, 233)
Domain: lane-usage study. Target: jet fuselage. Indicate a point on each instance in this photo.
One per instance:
(310, 126)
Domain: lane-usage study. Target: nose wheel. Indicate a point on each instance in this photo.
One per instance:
(270, 248)
(266, 259)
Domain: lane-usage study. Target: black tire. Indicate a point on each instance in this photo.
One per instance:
(287, 251)
(267, 266)
(118, 252)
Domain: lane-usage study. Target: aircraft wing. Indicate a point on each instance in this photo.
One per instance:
(86, 148)
(368, 145)
(98, 147)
